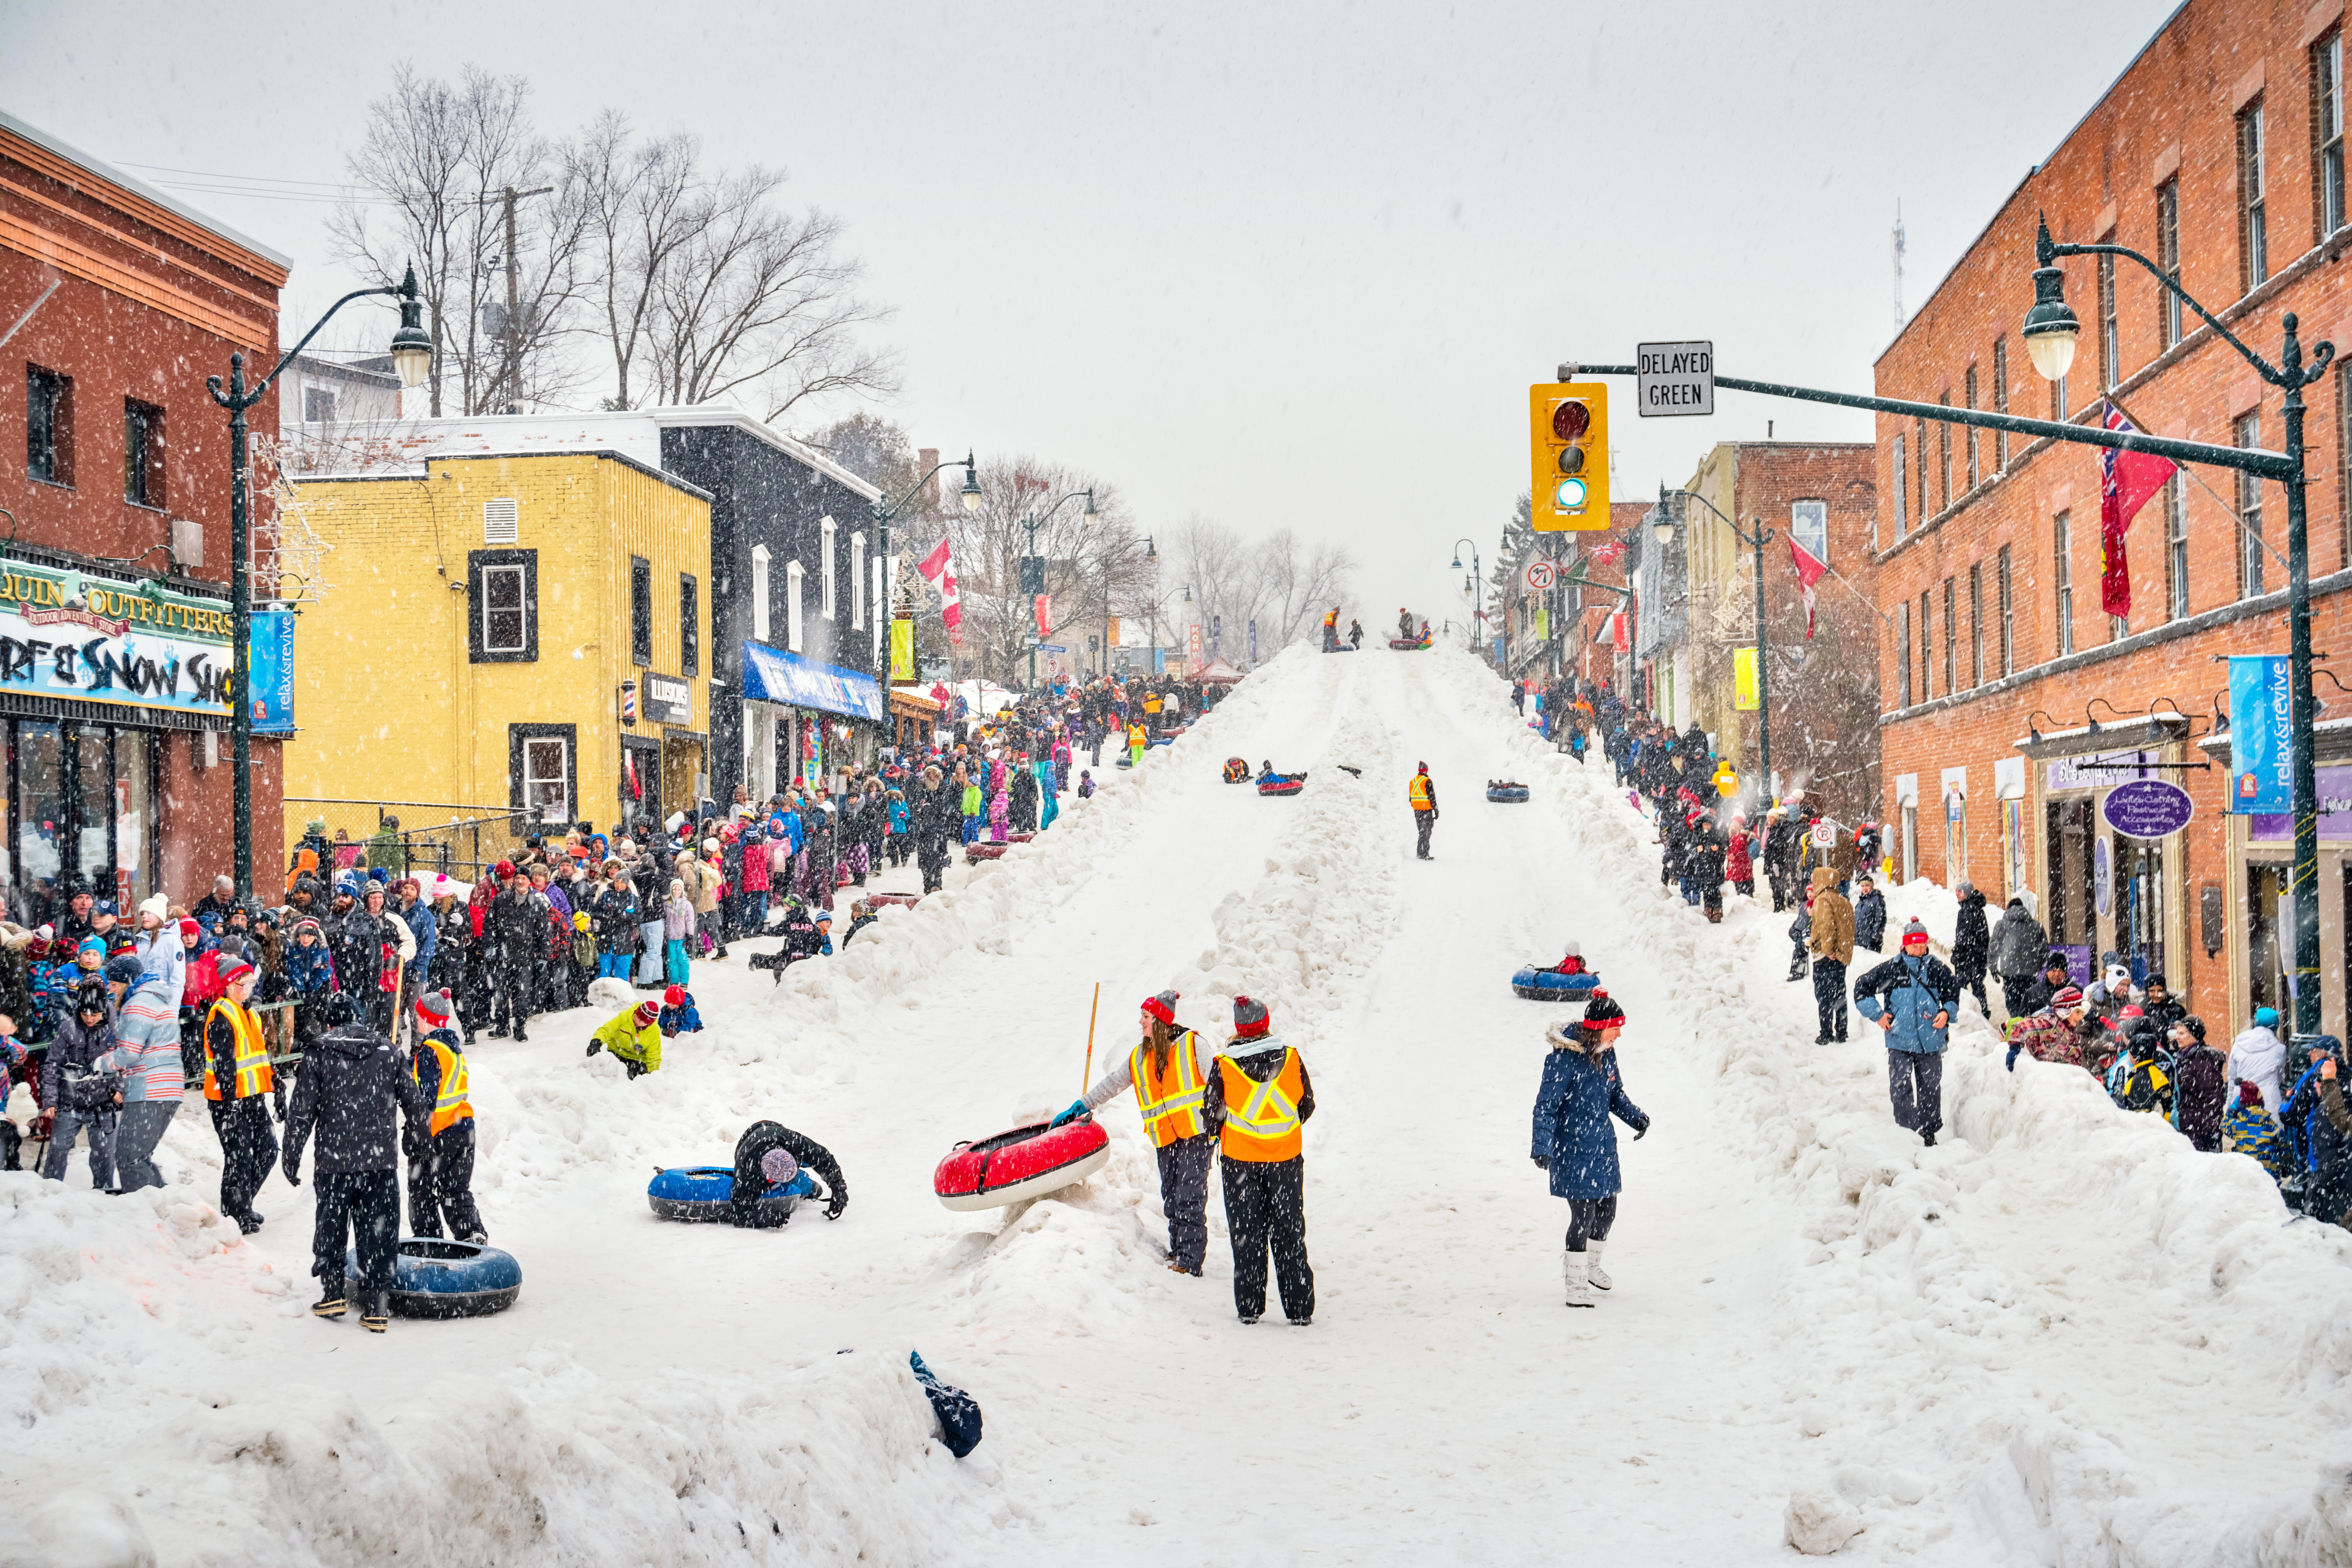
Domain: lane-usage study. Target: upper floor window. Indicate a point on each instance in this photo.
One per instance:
(689, 625)
(858, 581)
(318, 406)
(640, 611)
(792, 580)
(825, 568)
(2110, 345)
(2327, 133)
(2061, 551)
(2001, 403)
(49, 425)
(2246, 430)
(142, 453)
(2254, 231)
(2007, 610)
(1902, 494)
(758, 592)
(1809, 525)
(1970, 395)
(504, 594)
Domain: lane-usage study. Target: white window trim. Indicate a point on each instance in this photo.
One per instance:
(825, 568)
(522, 603)
(856, 581)
(758, 592)
(793, 577)
(565, 747)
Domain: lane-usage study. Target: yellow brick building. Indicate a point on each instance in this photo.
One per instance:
(491, 623)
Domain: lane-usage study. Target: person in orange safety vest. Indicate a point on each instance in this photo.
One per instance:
(237, 1081)
(1423, 793)
(1164, 1070)
(1258, 1097)
(441, 1153)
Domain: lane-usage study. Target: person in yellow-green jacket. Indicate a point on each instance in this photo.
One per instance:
(635, 1036)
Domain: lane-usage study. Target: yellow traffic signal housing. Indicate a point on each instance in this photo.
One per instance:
(1568, 441)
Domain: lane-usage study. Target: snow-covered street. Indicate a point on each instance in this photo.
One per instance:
(2060, 1337)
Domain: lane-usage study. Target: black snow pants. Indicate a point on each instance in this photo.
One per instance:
(1184, 1196)
(360, 1208)
(441, 1184)
(248, 1148)
(1828, 997)
(1423, 821)
(1588, 1220)
(511, 982)
(1265, 1206)
(1915, 1083)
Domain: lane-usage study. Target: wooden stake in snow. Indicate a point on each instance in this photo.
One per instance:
(1087, 1080)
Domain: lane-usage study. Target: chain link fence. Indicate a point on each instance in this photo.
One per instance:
(409, 835)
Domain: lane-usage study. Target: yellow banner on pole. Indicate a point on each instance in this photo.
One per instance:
(902, 649)
(1743, 680)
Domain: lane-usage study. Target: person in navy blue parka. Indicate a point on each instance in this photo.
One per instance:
(1574, 1141)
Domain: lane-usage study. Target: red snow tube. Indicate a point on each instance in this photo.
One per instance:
(1027, 1163)
(904, 901)
(973, 854)
(1279, 786)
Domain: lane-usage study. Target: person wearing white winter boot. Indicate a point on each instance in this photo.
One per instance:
(1574, 1141)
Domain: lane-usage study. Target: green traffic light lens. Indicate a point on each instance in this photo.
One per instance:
(1571, 461)
(1569, 496)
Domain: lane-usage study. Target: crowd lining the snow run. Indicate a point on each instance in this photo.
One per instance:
(2252, 1094)
(110, 1024)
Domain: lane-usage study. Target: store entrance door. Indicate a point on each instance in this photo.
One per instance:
(2074, 922)
(2139, 905)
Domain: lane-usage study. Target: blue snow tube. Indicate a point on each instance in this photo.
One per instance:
(437, 1279)
(700, 1193)
(1549, 985)
(1507, 793)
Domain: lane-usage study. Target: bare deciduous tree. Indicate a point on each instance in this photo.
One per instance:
(441, 155)
(1282, 583)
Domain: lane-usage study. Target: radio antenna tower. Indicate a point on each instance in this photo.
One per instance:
(1898, 264)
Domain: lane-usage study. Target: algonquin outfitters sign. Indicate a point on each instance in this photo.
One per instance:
(64, 635)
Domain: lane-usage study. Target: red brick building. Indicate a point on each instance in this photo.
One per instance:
(2014, 704)
(116, 301)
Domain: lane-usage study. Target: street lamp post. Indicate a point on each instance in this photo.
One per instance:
(1477, 575)
(1033, 567)
(412, 360)
(883, 515)
(1757, 537)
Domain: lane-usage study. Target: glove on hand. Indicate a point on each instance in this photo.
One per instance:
(2012, 1057)
(1640, 1131)
(1077, 1108)
(1543, 1162)
(594, 1046)
(833, 1210)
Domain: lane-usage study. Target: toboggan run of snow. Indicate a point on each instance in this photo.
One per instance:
(2060, 1337)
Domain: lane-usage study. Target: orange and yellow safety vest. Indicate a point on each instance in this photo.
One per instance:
(1419, 792)
(451, 1105)
(1171, 1101)
(1262, 1118)
(252, 1053)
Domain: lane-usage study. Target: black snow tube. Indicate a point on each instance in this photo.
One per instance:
(437, 1278)
(1505, 794)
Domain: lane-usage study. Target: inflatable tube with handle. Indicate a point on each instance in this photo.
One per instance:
(1504, 792)
(700, 1193)
(1550, 985)
(1027, 1163)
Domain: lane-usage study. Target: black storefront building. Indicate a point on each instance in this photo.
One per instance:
(795, 567)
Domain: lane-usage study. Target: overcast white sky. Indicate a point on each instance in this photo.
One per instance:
(1275, 264)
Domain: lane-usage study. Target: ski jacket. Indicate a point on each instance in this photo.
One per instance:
(351, 1080)
(1870, 920)
(1971, 940)
(147, 1044)
(2200, 1091)
(758, 1141)
(621, 1036)
(1909, 992)
(2258, 1056)
(1832, 936)
(1579, 1093)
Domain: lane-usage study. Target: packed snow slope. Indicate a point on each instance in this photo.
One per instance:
(2060, 1337)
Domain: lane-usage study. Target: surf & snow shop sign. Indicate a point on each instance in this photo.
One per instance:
(65, 635)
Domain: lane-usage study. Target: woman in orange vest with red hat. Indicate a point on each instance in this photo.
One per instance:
(1258, 1098)
(1164, 1070)
(237, 1081)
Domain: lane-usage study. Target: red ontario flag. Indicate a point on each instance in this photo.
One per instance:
(2125, 481)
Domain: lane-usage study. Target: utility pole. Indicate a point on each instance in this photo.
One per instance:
(510, 370)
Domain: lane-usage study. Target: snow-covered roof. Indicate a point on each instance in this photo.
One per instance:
(140, 187)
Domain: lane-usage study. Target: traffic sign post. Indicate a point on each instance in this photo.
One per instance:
(1674, 380)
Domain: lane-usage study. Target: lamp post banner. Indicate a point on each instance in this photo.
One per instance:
(2261, 756)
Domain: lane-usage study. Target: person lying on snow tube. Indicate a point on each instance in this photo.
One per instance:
(1271, 773)
(635, 1036)
(770, 1154)
(1571, 963)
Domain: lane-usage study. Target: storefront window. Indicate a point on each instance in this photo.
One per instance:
(2266, 948)
(40, 818)
(93, 866)
(134, 814)
(2074, 920)
(2139, 905)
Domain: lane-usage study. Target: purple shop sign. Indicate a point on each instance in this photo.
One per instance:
(2146, 808)
(2334, 811)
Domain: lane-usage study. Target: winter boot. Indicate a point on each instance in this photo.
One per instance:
(377, 1316)
(1592, 1265)
(331, 1303)
(1574, 1268)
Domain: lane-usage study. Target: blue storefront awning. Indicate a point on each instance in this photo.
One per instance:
(772, 675)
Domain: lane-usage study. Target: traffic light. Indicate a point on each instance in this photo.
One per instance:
(1568, 441)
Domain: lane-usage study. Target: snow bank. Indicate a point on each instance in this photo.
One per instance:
(2063, 1324)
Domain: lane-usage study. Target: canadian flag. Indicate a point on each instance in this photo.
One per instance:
(937, 568)
(1809, 572)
